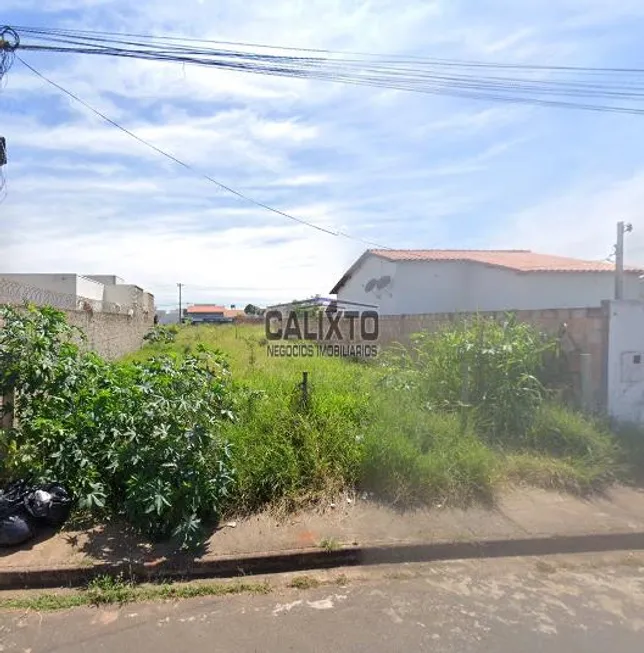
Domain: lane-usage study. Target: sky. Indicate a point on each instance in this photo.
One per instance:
(401, 169)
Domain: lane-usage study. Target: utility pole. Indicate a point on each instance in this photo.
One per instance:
(180, 285)
(619, 258)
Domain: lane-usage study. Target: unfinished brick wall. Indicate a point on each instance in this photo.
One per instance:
(582, 330)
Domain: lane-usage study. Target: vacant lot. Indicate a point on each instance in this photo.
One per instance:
(202, 423)
(395, 428)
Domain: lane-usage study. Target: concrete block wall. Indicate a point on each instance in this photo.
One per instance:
(112, 335)
(582, 330)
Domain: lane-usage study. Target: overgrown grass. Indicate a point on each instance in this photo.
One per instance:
(413, 456)
(448, 421)
(410, 432)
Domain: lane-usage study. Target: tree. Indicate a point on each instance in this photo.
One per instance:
(251, 309)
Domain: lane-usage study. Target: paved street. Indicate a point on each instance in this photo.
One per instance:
(559, 605)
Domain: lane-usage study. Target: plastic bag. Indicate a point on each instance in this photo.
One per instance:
(25, 509)
(14, 530)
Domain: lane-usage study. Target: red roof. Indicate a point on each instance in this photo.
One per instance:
(518, 260)
(205, 308)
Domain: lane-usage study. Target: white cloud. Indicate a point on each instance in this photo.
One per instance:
(582, 222)
(391, 167)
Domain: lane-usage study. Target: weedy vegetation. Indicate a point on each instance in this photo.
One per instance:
(202, 423)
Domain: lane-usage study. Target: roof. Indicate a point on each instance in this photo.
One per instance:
(517, 260)
(205, 308)
(233, 312)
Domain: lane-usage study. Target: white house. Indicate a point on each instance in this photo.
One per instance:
(404, 282)
(101, 292)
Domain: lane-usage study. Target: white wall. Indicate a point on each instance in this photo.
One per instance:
(64, 284)
(625, 367)
(89, 289)
(452, 286)
(124, 294)
(107, 279)
(373, 267)
(496, 289)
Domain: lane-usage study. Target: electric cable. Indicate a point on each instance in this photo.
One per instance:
(190, 168)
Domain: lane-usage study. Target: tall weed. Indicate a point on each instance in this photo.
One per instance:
(482, 367)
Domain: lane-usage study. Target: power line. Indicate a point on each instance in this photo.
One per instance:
(190, 168)
(110, 37)
(415, 74)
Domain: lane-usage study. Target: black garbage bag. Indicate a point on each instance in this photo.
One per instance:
(49, 505)
(25, 509)
(14, 531)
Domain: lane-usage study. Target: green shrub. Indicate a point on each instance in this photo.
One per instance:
(135, 439)
(162, 334)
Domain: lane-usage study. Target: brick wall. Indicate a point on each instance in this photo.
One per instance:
(582, 330)
(111, 335)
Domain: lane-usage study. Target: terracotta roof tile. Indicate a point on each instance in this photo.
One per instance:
(205, 308)
(520, 260)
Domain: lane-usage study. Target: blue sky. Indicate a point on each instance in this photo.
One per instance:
(400, 169)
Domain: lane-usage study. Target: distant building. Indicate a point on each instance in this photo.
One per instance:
(211, 314)
(311, 304)
(168, 317)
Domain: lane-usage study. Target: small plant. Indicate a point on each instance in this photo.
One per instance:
(105, 590)
(304, 583)
(329, 544)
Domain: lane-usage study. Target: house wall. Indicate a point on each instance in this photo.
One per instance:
(107, 279)
(64, 284)
(495, 289)
(123, 294)
(373, 267)
(625, 365)
(89, 289)
(450, 286)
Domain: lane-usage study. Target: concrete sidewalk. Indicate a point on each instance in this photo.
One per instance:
(352, 531)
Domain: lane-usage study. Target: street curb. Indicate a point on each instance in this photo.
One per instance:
(181, 567)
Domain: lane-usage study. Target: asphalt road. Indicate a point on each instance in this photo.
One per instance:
(500, 605)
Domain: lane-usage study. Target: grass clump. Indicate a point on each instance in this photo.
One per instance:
(115, 590)
(414, 456)
(304, 583)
